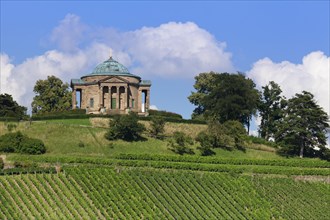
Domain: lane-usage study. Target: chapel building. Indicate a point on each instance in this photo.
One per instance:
(111, 89)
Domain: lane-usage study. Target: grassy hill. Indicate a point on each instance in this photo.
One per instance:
(66, 137)
(145, 180)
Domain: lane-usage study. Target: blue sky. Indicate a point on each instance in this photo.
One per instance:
(168, 42)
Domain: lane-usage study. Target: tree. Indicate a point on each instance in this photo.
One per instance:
(125, 127)
(10, 108)
(225, 97)
(51, 95)
(270, 109)
(204, 84)
(157, 126)
(180, 142)
(302, 131)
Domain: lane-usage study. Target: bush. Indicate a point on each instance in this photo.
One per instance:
(157, 126)
(125, 127)
(180, 142)
(258, 140)
(18, 143)
(32, 146)
(229, 135)
(11, 127)
(81, 144)
(207, 142)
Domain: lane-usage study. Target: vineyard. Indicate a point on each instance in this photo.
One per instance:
(162, 187)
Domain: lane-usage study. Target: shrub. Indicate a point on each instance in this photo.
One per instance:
(180, 142)
(157, 125)
(125, 127)
(207, 142)
(229, 135)
(19, 143)
(32, 146)
(81, 144)
(11, 127)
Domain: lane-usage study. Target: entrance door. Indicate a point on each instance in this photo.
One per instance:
(113, 103)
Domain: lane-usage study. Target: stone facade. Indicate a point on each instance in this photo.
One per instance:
(111, 89)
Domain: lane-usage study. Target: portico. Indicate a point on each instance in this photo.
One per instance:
(111, 89)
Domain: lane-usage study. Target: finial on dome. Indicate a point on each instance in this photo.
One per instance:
(110, 54)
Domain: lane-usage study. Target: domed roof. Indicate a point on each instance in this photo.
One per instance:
(111, 67)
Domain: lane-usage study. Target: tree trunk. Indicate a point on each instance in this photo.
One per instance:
(301, 151)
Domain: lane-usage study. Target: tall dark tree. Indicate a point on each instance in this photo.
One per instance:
(10, 108)
(51, 95)
(270, 109)
(304, 126)
(225, 97)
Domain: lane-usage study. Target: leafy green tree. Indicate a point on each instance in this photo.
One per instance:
(270, 109)
(203, 85)
(157, 126)
(303, 128)
(180, 143)
(125, 127)
(52, 95)
(225, 97)
(10, 108)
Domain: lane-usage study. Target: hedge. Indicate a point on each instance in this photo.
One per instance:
(82, 116)
(164, 114)
(213, 160)
(9, 119)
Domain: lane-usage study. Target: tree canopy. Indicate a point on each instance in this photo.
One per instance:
(302, 131)
(51, 95)
(225, 97)
(10, 108)
(270, 109)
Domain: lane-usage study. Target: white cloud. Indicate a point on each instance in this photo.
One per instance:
(170, 50)
(312, 75)
(153, 107)
(19, 80)
(176, 50)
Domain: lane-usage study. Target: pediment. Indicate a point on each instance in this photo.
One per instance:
(113, 79)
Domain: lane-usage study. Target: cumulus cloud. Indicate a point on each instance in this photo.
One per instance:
(176, 50)
(169, 50)
(19, 80)
(312, 75)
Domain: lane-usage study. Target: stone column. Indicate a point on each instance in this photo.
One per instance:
(117, 98)
(101, 104)
(125, 97)
(74, 99)
(139, 101)
(147, 101)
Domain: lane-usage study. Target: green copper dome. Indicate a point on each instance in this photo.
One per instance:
(111, 67)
